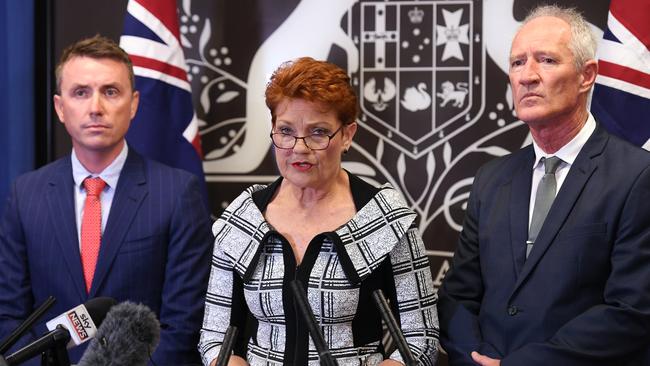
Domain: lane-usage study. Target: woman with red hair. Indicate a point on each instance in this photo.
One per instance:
(341, 237)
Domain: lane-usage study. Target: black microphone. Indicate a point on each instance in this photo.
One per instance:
(22, 328)
(75, 326)
(302, 303)
(82, 321)
(394, 328)
(127, 337)
(226, 346)
(52, 343)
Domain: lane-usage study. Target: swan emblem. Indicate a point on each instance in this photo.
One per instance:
(378, 98)
(416, 99)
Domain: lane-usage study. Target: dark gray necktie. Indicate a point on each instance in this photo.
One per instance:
(543, 199)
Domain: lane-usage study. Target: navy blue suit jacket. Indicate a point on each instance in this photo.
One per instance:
(155, 250)
(583, 295)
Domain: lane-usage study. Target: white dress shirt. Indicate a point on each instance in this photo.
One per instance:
(567, 153)
(110, 175)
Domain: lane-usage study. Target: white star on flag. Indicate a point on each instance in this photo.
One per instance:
(452, 34)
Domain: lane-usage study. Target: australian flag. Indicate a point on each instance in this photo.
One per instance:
(165, 127)
(621, 99)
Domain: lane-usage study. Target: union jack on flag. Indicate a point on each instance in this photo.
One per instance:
(165, 127)
(621, 99)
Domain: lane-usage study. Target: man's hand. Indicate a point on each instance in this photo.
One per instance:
(485, 360)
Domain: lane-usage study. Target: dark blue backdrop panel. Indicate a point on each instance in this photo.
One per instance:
(17, 85)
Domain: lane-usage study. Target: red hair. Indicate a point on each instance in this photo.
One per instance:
(314, 81)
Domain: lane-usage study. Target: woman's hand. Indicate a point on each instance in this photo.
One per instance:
(390, 363)
(237, 361)
(234, 361)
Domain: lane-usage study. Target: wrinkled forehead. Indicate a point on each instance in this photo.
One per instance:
(544, 27)
(542, 32)
(300, 105)
(304, 112)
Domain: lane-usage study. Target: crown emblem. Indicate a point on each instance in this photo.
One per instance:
(416, 15)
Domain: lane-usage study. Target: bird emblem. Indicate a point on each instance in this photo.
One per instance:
(416, 99)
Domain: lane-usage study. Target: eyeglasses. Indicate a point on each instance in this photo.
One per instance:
(313, 142)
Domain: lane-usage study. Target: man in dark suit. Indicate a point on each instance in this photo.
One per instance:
(553, 262)
(104, 221)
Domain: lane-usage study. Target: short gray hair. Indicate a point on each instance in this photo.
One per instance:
(583, 42)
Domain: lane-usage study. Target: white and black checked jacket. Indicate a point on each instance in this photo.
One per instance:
(379, 248)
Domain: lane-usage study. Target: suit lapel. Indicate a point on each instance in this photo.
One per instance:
(60, 201)
(130, 191)
(579, 174)
(520, 187)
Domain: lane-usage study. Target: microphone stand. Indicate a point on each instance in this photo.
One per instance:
(57, 355)
(302, 303)
(28, 323)
(394, 328)
(53, 344)
(226, 346)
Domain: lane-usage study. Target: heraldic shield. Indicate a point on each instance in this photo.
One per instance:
(421, 71)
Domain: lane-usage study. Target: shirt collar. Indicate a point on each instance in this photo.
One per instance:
(569, 152)
(110, 174)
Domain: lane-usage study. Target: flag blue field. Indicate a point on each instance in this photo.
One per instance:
(621, 100)
(165, 127)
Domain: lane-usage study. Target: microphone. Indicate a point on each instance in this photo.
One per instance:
(226, 346)
(127, 337)
(22, 328)
(393, 328)
(83, 320)
(93, 312)
(302, 303)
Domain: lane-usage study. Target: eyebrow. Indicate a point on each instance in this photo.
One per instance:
(111, 85)
(535, 54)
(307, 124)
(514, 57)
(103, 86)
(77, 86)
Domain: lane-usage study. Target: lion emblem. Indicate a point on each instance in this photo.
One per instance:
(453, 94)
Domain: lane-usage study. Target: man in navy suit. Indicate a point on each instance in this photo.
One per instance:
(152, 239)
(572, 288)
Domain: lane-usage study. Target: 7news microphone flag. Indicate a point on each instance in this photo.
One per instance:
(621, 100)
(165, 127)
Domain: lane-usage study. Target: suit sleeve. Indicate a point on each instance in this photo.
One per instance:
(186, 277)
(619, 327)
(16, 299)
(416, 300)
(462, 290)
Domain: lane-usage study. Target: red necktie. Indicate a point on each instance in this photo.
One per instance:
(91, 228)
